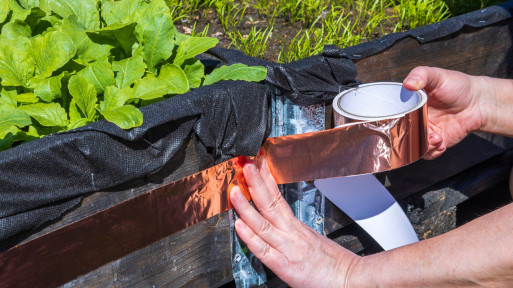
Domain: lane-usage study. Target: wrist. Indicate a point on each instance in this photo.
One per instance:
(349, 273)
(361, 273)
(483, 99)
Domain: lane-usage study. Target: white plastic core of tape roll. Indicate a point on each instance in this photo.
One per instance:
(378, 101)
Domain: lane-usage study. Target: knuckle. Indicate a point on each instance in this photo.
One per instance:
(266, 251)
(265, 227)
(286, 261)
(274, 203)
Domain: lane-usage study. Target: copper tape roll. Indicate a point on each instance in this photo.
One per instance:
(359, 148)
(361, 144)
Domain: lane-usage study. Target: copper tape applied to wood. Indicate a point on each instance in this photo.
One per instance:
(73, 250)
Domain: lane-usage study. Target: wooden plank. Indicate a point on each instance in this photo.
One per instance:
(485, 51)
(200, 255)
(195, 257)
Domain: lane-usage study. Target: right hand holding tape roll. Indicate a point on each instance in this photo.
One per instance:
(363, 197)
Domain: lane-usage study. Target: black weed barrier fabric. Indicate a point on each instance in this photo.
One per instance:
(41, 180)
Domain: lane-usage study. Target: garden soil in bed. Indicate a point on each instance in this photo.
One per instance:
(283, 29)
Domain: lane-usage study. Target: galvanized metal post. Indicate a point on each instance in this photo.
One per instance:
(306, 201)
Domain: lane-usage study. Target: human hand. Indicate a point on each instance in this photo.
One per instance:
(293, 251)
(453, 105)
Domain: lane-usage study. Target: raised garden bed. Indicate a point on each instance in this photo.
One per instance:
(200, 255)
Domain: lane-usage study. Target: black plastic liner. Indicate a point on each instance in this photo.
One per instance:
(41, 180)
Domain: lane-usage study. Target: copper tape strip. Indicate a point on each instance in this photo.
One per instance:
(361, 148)
(66, 253)
(73, 250)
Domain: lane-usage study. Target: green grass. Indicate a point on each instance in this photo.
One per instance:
(316, 23)
(254, 43)
(352, 22)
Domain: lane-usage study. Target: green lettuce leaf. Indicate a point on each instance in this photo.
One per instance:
(236, 72)
(121, 34)
(124, 11)
(14, 29)
(149, 88)
(4, 9)
(27, 98)
(47, 114)
(84, 96)
(6, 140)
(157, 40)
(126, 116)
(128, 70)
(78, 123)
(18, 12)
(174, 78)
(13, 118)
(194, 70)
(8, 137)
(48, 89)
(8, 98)
(74, 113)
(29, 4)
(85, 11)
(51, 52)
(192, 47)
(114, 98)
(99, 73)
(87, 49)
(16, 64)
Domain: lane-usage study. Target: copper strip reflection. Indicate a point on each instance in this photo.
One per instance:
(64, 254)
(360, 148)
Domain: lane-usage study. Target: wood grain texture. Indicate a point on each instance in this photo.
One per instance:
(199, 256)
(484, 51)
(195, 257)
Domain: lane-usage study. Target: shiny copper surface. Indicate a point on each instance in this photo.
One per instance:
(64, 254)
(359, 148)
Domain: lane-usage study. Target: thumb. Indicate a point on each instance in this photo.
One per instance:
(423, 77)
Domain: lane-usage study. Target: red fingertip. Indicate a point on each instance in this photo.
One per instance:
(238, 180)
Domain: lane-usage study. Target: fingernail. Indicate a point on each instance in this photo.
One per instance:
(237, 193)
(413, 80)
(252, 168)
(262, 162)
(240, 224)
(264, 159)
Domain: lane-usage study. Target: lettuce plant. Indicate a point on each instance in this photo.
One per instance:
(68, 63)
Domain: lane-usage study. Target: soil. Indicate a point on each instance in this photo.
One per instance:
(283, 30)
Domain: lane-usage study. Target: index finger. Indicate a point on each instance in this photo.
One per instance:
(268, 200)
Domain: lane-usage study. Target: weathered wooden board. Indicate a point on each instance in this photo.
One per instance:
(485, 51)
(200, 255)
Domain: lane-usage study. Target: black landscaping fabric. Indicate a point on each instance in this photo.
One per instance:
(41, 180)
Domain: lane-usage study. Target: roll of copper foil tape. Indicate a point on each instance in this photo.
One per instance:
(381, 127)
